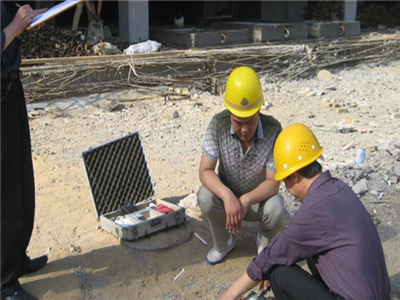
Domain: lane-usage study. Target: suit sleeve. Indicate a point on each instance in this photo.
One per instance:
(301, 239)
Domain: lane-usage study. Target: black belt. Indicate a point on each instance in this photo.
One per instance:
(12, 76)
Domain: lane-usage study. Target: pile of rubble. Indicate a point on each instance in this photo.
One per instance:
(376, 177)
(374, 181)
(370, 15)
(54, 42)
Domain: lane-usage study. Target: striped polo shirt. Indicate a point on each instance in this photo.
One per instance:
(241, 172)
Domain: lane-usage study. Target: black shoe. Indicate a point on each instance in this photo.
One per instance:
(36, 264)
(20, 294)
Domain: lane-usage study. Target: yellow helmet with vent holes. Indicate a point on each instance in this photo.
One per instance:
(295, 148)
(243, 93)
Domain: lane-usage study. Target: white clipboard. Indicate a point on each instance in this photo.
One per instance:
(52, 12)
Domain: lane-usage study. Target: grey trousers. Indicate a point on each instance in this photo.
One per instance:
(271, 215)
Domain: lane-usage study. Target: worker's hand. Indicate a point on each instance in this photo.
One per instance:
(24, 17)
(264, 285)
(233, 212)
(245, 204)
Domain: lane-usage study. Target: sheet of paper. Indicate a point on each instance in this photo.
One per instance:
(52, 12)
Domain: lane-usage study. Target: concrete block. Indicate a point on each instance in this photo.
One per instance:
(378, 185)
(333, 29)
(198, 38)
(360, 187)
(205, 39)
(181, 36)
(264, 32)
(233, 37)
(374, 192)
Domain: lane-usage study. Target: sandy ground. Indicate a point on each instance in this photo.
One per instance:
(88, 263)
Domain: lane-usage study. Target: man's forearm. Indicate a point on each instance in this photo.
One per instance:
(264, 191)
(241, 286)
(232, 206)
(21, 20)
(214, 184)
(10, 33)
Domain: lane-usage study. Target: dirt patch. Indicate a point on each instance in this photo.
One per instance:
(88, 263)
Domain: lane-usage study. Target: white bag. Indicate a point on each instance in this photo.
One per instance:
(145, 47)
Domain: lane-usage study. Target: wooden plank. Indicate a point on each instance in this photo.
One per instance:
(55, 60)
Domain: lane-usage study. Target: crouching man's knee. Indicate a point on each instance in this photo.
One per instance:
(274, 213)
(208, 202)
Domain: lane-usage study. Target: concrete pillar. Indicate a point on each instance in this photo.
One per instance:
(350, 10)
(133, 21)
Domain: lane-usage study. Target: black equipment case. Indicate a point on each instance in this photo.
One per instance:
(123, 191)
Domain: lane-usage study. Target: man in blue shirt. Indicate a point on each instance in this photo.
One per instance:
(332, 231)
(17, 184)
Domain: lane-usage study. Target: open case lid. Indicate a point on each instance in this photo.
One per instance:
(117, 172)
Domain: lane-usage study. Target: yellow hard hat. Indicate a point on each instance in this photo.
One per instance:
(295, 148)
(243, 93)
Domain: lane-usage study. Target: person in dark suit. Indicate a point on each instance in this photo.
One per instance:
(17, 181)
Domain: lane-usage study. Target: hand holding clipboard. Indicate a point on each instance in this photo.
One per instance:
(52, 12)
(21, 20)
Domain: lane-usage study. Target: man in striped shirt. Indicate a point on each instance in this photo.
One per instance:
(241, 140)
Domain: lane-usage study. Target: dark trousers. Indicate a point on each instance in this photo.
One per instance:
(17, 185)
(294, 283)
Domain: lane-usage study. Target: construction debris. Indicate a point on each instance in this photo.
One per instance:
(54, 42)
(370, 14)
(104, 48)
(205, 70)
